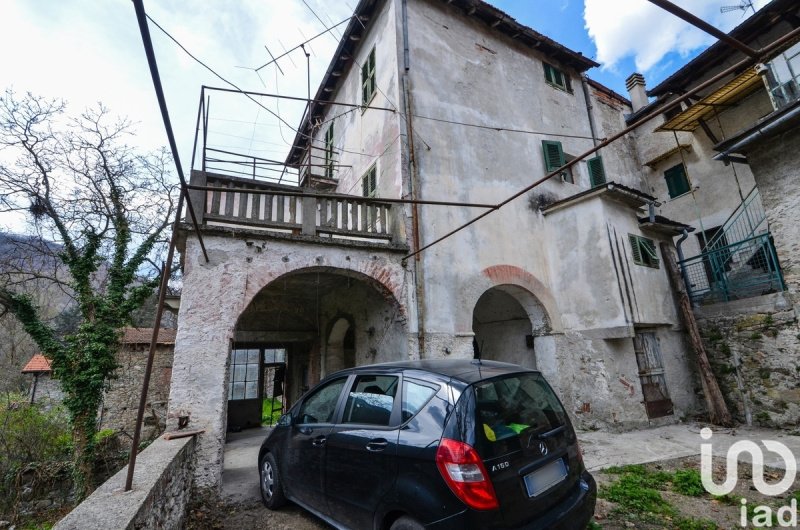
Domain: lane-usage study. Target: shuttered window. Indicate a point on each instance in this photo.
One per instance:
(557, 78)
(644, 251)
(329, 152)
(368, 78)
(369, 182)
(677, 181)
(553, 155)
(597, 173)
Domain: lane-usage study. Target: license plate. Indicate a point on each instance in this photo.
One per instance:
(545, 478)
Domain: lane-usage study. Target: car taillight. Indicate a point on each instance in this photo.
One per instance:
(463, 471)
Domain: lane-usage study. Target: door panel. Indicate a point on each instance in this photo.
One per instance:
(361, 458)
(651, 372)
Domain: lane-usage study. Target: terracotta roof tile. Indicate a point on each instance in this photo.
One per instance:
(143, 335)
(38, 363)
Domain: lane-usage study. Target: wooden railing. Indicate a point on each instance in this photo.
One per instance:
(259, 204)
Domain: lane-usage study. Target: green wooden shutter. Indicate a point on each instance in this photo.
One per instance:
(597, 173)
(553, 155)
(648, 250)
(637, 254)
(677, 182)
(548, 73)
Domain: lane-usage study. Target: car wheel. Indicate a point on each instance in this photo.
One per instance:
(406, 523)
(271, 485)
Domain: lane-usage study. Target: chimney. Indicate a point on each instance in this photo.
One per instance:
(636, 90)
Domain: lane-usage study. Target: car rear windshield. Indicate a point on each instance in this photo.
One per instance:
(509, 405)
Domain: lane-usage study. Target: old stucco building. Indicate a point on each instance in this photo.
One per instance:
(449, 101)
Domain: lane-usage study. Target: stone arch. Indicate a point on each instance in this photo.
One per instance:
(340, 345)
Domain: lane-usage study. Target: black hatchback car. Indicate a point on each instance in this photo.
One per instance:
(430, 444)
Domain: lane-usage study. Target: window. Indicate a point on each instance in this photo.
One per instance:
(677, 181)
(557, 78)
(368, 78)
(597, 173)
(369, 182)
(644, 251)
(243, 382)
(371, 400)
(320, 406)
(329, 152)
(415, 395)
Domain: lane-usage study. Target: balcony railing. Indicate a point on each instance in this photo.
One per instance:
(222, 200)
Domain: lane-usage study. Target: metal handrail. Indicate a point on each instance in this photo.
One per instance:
(754, 220)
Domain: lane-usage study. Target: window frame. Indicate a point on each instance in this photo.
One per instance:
(418, 382)
(329, 152)
(552, 76)
(370, 176)
(368, 80)
(641, 246)
(670, 174)
(337, 408)
(394, 416)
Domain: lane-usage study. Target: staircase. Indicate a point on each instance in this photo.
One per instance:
(739, 261)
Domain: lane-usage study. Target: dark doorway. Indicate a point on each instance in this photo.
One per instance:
(256, 385)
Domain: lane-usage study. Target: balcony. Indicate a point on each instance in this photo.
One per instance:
(301, 213)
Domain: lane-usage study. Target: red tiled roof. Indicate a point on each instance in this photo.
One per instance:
(143, 336)
(38, 363)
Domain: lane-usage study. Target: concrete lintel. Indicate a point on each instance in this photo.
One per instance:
(616, 332)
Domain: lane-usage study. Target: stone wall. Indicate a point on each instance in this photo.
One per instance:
(754, 349)
(121, 401)
(162, 484)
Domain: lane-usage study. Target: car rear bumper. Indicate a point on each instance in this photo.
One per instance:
(572, 513)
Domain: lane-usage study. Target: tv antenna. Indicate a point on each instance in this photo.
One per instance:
(743, 6)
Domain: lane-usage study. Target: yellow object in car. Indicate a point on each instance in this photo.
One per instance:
(489, 433)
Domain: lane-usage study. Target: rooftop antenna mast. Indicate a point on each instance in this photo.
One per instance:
(743, 7)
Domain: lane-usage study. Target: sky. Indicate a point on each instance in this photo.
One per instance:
(89, 51)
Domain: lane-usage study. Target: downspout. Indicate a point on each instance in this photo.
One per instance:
(592, 127)
(758, 133)
(413, 185)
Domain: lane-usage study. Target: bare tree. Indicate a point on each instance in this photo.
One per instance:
(105, 209)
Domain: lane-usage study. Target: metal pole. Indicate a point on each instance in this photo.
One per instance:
(308, 115)
(162, 103)
(162, 292)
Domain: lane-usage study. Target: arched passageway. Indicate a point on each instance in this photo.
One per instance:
(506, 319)
(319, 320)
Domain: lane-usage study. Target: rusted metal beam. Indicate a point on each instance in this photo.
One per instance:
(705, 26)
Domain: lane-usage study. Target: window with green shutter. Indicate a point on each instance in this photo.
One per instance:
(597, 173)
(644, 251)
(677, 181)
(557, 78)
(368, 78)
(553, 155)
(329, 152)
(369, 182)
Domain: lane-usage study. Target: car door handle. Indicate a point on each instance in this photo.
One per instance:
(304, 430)
(379, 444)
(318, 441)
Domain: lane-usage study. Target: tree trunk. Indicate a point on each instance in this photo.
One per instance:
(83, 471)
(717, 409)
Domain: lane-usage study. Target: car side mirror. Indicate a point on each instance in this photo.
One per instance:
(285, 420)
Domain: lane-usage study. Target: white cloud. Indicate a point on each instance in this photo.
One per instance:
(639, 29)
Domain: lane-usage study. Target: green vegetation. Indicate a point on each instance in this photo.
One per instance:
(268, 417)
(637, 495)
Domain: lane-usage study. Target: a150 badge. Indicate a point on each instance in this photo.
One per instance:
(501, 465)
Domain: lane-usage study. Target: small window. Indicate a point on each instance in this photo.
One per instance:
(644, 251)
(320, 406)
(597, 173)
(415, 395)
(329, 152)
(371, 400)
(369, 182)
(557, 78)
(677, 181)
(243, 383)
(368, 78)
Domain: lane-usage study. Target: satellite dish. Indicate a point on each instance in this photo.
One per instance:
(743, 7)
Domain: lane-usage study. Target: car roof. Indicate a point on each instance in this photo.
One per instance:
(466, 370)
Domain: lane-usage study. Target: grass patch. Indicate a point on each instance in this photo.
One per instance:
(695, 524)
(631, 493)
(688, 482)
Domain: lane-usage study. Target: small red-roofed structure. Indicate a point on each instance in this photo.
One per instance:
(39, 364)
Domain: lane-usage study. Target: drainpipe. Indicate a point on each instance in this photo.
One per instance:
(413, 185)
(678, 244)
(592, 127)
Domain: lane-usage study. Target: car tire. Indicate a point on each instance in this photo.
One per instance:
(270, 483)
(406, 523)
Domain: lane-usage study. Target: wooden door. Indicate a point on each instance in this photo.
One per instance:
(651, 373)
